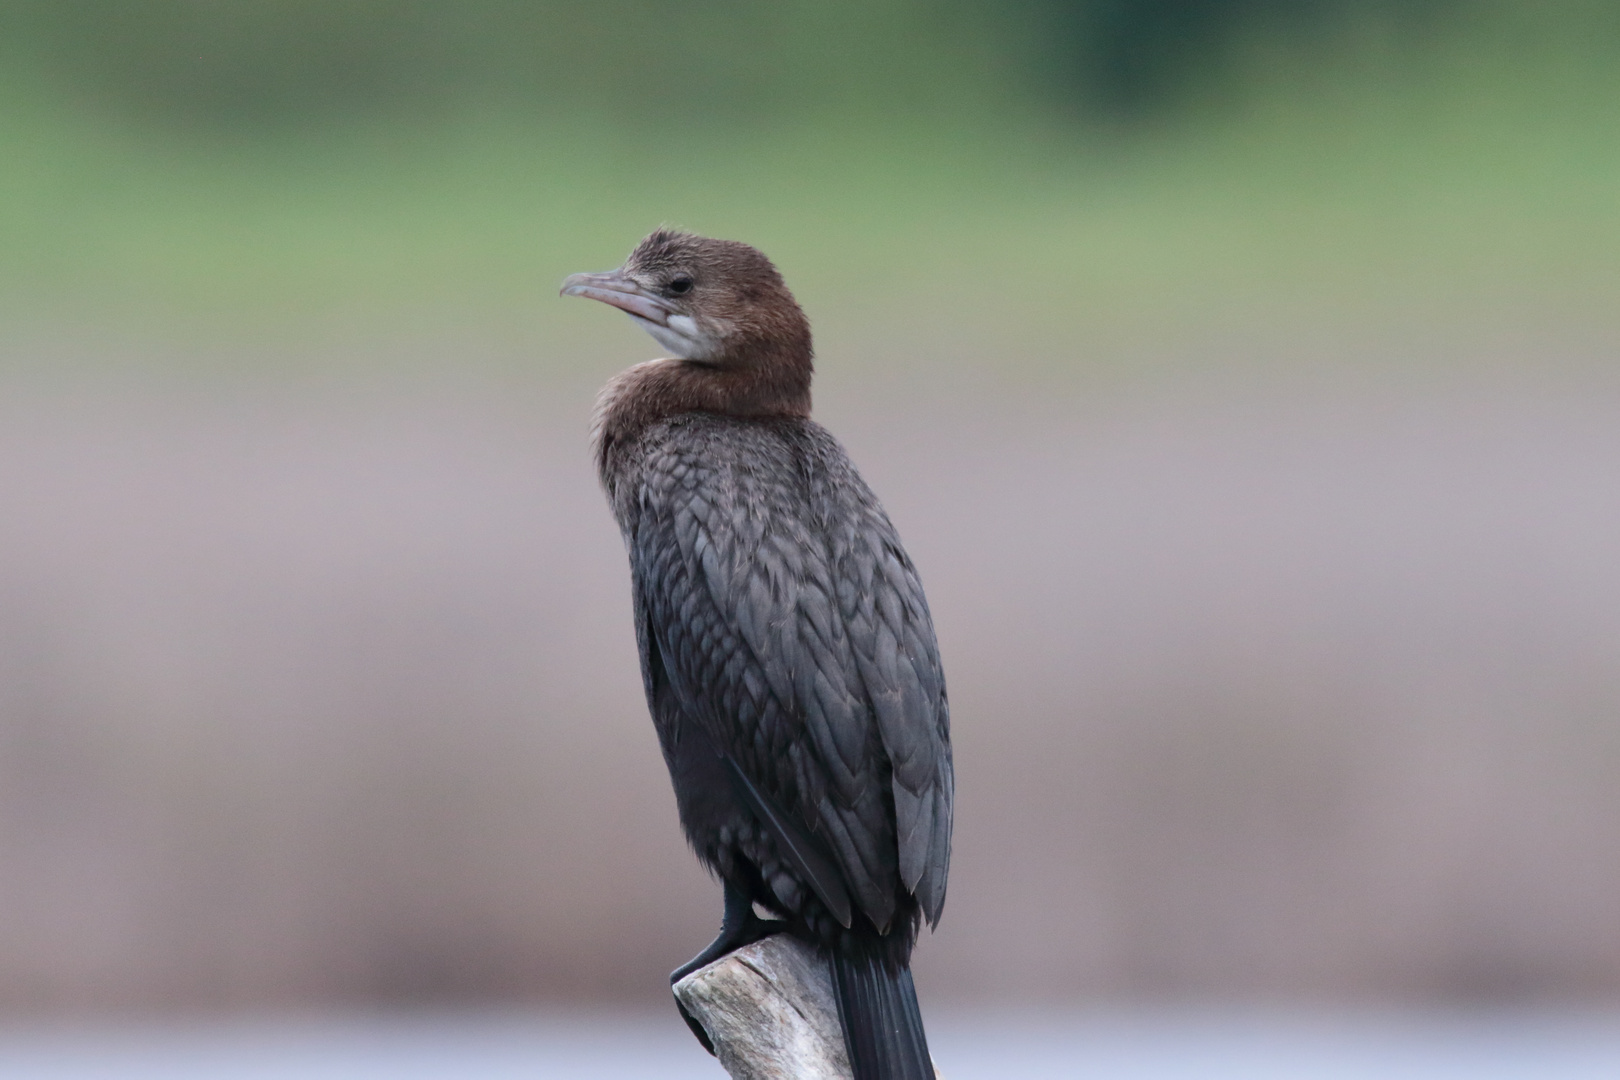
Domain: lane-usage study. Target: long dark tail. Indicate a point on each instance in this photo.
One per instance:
(883, 1027)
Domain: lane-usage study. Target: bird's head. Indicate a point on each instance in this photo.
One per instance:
(715, 302)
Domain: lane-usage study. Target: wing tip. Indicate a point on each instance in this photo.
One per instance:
(821, 875)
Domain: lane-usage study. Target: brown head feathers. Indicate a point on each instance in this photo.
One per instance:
(739, 304)
(739, 343)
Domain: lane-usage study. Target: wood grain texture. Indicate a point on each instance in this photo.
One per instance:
(769, 1010)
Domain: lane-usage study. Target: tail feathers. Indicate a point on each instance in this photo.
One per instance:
(883, 1027)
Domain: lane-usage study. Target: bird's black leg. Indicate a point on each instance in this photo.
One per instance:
(739, 926)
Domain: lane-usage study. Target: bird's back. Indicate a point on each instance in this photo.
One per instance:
(775, 597)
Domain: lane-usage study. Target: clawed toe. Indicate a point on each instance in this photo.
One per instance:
(739, 927)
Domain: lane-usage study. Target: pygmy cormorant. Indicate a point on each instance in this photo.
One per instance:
(786, 648)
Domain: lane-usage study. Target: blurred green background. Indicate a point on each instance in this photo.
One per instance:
(1092, 170)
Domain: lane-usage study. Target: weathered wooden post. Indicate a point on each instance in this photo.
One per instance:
(770, 1012)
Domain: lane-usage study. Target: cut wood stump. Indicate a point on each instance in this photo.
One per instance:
(770, 1012)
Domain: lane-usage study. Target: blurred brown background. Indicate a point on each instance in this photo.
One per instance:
(1242, 381)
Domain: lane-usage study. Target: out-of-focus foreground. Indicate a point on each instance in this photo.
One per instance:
(1241, 384)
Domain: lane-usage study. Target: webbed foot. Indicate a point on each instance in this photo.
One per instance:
(739, 926)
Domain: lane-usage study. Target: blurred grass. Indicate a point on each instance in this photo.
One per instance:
(1478, 183)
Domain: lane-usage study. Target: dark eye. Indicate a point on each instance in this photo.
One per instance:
(682, 284)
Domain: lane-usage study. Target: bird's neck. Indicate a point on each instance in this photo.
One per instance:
(658, 389)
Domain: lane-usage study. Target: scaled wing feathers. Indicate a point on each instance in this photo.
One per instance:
(793, 627)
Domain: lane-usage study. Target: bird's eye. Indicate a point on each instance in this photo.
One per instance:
(680, 285)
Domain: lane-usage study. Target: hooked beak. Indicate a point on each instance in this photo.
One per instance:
(621, 291)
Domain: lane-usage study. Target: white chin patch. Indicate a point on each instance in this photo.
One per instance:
(681, 337)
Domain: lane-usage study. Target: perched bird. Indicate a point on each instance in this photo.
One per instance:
(786, 648)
